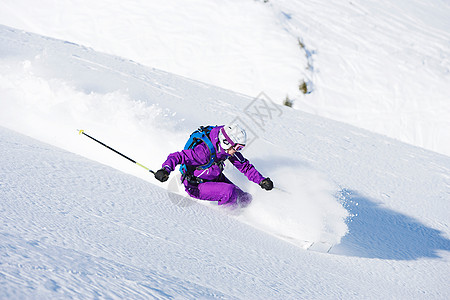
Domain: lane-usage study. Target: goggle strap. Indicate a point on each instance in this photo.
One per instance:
(227, 137)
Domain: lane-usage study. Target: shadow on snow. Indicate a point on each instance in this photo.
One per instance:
(378, 232)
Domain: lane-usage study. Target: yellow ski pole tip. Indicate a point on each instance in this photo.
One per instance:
(80, 131)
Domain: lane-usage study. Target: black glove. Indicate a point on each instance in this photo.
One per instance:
(162, 175)
(266, 184)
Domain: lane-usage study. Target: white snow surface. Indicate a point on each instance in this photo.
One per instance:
(380, 65)
(79, 221)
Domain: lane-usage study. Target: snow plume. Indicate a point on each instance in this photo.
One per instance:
(52, 109)
(302, 207)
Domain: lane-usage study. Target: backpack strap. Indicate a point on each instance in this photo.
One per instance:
(212, 151)
(198, 136)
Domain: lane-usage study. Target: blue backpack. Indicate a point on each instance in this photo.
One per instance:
(197, 137)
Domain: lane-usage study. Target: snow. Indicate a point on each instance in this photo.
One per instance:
(79, 221)
(379, 65)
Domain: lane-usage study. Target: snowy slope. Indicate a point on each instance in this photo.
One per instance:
(379, 65)
(67, 233)
(72, 227)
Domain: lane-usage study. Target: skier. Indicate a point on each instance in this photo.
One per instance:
(203, 161)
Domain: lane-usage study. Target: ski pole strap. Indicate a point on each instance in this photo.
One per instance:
(123, 155)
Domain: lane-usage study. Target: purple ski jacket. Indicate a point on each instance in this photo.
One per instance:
(200, 155)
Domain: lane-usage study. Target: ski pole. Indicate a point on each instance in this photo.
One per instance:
(281, 190)
(124, 156)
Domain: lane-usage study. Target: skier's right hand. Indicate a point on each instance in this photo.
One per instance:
(162, 175)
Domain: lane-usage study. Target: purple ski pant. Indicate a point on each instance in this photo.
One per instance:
(223, 191)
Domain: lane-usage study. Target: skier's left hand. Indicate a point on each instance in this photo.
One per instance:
(266, 184)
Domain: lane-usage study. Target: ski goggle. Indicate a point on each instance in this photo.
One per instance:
(238, 147)
(228, 141)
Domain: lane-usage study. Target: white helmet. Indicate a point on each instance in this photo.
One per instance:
(232, 134)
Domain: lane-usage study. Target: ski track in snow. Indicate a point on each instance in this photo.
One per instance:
(72, 227)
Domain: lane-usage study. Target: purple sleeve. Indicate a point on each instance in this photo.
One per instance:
(246, 168)
(194, 157)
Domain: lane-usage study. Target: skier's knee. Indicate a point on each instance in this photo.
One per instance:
(228, 194)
